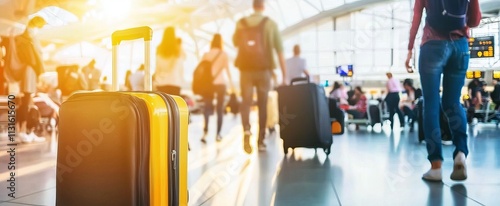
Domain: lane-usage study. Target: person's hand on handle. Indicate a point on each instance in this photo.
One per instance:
(408, 60)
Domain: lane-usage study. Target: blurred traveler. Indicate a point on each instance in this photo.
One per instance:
(127, 85)
(340, 94)
(92, 75)
(444, 51)
(392, 99)
(221, 77)
(358, 111)
(296, 65)
(475, 95)
(408, 104)
(257, 37)
(169, 64)
(485, 95)
(29, 51)
(136, 79)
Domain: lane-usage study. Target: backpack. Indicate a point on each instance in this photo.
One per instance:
(203, 79)
(445, 16)
(252, 52)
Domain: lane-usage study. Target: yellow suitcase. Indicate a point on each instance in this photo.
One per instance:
(158, 146)
(169, 128)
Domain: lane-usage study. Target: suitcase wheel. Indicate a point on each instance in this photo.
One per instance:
(327, 150)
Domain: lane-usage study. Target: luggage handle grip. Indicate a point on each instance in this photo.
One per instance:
(143, 32)
(299, 79)
(117, 37)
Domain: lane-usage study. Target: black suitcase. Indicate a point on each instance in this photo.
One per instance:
(446, 134)
(123, 170)
(304, 117)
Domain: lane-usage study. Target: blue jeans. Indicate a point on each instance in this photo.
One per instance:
(451, 59)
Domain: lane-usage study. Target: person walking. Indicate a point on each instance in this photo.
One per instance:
(257, 37)
(444, 51)
(296, 65)
(392, 99)
(221, 77)
(169, 76)
(29, 52)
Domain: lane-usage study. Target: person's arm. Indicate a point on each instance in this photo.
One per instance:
(415, 24)
(281, 59)
(474, 14)
(278, 47)
(228, 73)
(306, 73)
(305, 68)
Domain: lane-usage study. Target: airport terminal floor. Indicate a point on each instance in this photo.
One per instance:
(370, 166)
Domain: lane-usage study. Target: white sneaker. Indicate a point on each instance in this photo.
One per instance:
(36, 138)
(25, 138)
(459, 168)
(447, 142)
(433, 175)
(474, 121)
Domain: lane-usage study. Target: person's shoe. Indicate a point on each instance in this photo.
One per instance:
(447, 142)
(204, 138)
(246, 144)
(36, 138)
(25, 138)
(433, 175)
(218, 138)
(459, 168)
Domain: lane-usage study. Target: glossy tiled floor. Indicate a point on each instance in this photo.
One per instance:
(376, 167)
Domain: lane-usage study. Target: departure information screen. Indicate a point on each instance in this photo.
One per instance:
(482, 47)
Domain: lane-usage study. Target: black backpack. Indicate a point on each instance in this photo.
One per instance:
(252, 52)
(203, 79)
(445, 16)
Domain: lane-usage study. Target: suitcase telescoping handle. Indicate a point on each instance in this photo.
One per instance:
(117, 37)
(300, 79)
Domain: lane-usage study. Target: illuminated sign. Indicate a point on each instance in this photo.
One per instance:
(345, 70)
(496, 75)
(482, 47)
(474, 74)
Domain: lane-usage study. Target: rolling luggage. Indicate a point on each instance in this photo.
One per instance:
(446, 134)
(304, 117)
(127, 148)
(103, 150)
(337, 117)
